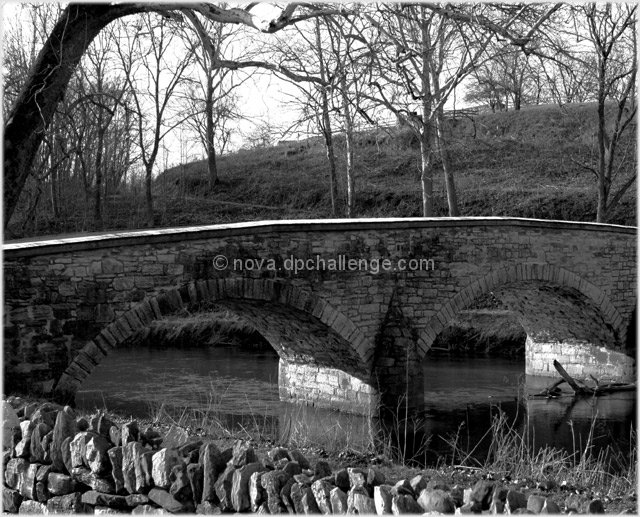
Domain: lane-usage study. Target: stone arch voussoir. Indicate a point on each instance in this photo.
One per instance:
(190, 296)
(519, 273)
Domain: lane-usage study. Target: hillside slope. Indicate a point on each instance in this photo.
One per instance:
(518, 163)
(522, 164)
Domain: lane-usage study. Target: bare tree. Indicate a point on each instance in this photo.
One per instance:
(72, 34)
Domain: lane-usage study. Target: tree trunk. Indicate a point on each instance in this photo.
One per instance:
(452, 198)
(348, 123)
(37, 102)
(603, 186)
(212, 166)
(426, 174)
(148, 197)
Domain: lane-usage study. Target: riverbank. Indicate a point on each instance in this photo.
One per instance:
(370, 479)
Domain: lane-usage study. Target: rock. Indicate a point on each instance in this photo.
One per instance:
(195, 475)
(23, 447)
(357, 477)
(457, 495)
(418, 483)
(47, 439)
(101, 510)
(303, 500)
(96, 455)
(115, 435)
(115, 457)
(84, 475)
(278, 453)
(285, 495)
(515, 500)
(70, 503)
(36, 450)
(78, 448)
(382, 498)
(213, 463)
(152, 437)
(143, 468)
(82, 424)
(482, 493)
(321, 490)
(64, 427)
(175, 437)
(208, 508)
(223, 486)
(60, 484)
(595, 507)
(136, 499)
(10, 422)
(292, 468)
(27, 482)
(403, 504)
(257, 494)
(11, 499)
(14, 472)
(263, 510)
(296, 455)
(65, 454)
(180, 487)
(101, 424)
(42, 494)
(129, 432)
(162, 463)
(496, 507)
(146, 509)
(94, 498)
(43, 473)
(130, 453)
(551, 507)
(168, 502)
(273, 482)
(243, 454)
(32, 507)
(402, 487)
(436, 501)
(358, 501)
(322, 469)
(375, 477)
(45, 414)
(341, 480)
(192, 445)
(535, 503)
(240, 498)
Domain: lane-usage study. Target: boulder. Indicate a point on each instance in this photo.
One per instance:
(240, 497)
(146, 509)
(273, 482)
(37, 436)
(595, 507)
(223, 486)
(14, 472)
(136, 499)
(85, 476)
(70, 503)
(436, 501)
(278, 453)
(285, 495)
(321, 470)
(515, 500)
(403, 487)
(162, 462)
(296, 455)
(27, 482)
(321, 490)
(208, 508)
(303, 500)
(115, 457)
(94, 498)
(535, 503)
(10, 422)
(403, 504)
(341, 480)
(382, 498)
(11, 499)
(65, 455)
(180, 487)
(60, 484)
(143, 468)
(213, 463)
(129, 432)
(115, 435)
(292, 468)
(257, 494)
(359, 501)
(32, 507)
(96, 455)
(243, 454)
(196, 476)
(130, 453)
(338, 501)
(42, 494)
(168, 502)
(101, 424)
(482, 493)
(78, 448)
(175, 437)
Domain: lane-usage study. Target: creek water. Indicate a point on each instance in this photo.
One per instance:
(239, 388)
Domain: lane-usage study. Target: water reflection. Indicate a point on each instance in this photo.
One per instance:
(462, 396)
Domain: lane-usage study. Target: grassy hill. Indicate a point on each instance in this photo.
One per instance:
(506, 164)
(517, 163)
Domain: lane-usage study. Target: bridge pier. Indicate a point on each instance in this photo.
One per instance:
(320, 386)
(579, 358)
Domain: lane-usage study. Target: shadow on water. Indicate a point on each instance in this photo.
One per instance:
(236, 391)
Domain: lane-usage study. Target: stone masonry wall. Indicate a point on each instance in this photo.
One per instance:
(70, 302)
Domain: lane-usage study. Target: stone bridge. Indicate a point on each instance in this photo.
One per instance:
(350, 306)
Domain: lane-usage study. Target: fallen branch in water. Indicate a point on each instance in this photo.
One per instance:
(580, 388)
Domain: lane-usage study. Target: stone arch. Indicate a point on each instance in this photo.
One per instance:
(194, 294)
(520, 273)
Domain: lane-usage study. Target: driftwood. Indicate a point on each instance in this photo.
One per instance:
(580, 388)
